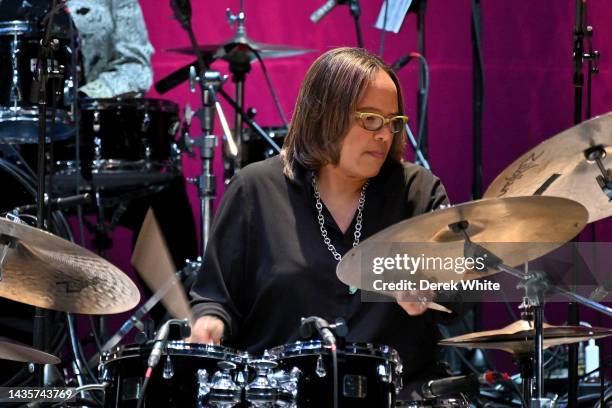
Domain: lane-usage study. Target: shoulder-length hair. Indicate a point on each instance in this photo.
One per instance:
(325, 108)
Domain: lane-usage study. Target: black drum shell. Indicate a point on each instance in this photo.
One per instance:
(357, 363)
(124, 370)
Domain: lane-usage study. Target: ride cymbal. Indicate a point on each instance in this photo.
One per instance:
(515, 229)
(564, 166)
(44, 270)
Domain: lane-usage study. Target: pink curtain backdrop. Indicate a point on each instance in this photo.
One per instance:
(527, 49)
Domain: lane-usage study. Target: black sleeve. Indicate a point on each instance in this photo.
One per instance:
(216, 290)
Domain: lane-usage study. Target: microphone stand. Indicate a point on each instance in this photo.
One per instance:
(43, 73)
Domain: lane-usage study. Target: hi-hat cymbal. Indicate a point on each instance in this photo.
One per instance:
(518, 337)
(242, 48)
(46, 271)
(558, 167)
(14, 351)
(500, 225)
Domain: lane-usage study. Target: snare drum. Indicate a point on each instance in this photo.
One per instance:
(125, 143)
(19, 50)
(368, 375)
(187, 375)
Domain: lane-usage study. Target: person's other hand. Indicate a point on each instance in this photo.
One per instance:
(207, 330)
(415, 302)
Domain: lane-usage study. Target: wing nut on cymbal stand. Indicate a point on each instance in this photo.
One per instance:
(597, 154)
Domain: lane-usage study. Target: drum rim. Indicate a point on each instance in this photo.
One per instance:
(313, 347)
(153, 104)
(177, 348)
(16, 27)
(12, 27)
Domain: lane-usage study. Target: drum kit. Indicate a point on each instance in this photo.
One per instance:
(116, 147)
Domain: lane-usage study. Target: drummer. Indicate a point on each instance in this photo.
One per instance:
(341, 171)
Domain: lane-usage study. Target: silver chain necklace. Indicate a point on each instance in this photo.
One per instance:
(321, 219)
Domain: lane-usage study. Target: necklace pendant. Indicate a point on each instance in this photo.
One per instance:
(352, 290)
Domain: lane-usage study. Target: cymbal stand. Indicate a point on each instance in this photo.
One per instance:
(43, 73)
(210, 82)
(536, 285)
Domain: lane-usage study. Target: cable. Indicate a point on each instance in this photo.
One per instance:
(94, 332)
(148, 374)
(272, 91)
(425, 90)
(381, 46)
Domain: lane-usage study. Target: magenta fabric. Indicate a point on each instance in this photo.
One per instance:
(527, 48)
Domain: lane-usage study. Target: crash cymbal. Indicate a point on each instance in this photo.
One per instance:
(46, 271)
(518, 337)
(558, 167)
(540, 224)
(14, 351)
(242, 49)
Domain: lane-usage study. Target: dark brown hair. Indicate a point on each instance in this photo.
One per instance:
(325, 105)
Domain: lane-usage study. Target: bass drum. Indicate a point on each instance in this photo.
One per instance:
(185, 376)
(368, 375)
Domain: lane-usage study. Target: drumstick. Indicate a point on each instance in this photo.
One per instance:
(438, 307)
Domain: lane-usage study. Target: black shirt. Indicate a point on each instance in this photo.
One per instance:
(266, 265)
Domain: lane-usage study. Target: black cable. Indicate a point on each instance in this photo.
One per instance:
(143, 391)
(381, 46)
(518, 392)
(94, 332)
(478, 87)
(272, 90)
(425, 97)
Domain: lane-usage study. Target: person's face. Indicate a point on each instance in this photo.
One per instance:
(363, 151)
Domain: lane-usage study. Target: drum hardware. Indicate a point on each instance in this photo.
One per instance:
(262, 391)
(43, 73)
(223, 391)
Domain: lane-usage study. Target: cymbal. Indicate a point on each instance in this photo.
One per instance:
(14, 351)
(518, 337)
(558, 167)
(44, 270)
(242, 48)
(500, 225)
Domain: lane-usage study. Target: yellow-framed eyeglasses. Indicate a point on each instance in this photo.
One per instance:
(374, 122)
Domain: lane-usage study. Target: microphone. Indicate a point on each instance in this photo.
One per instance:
(161, 338)
(461, 383)
(60, 203)
(602, 291)
(399, 64)
(323, 11)
(322, 327)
